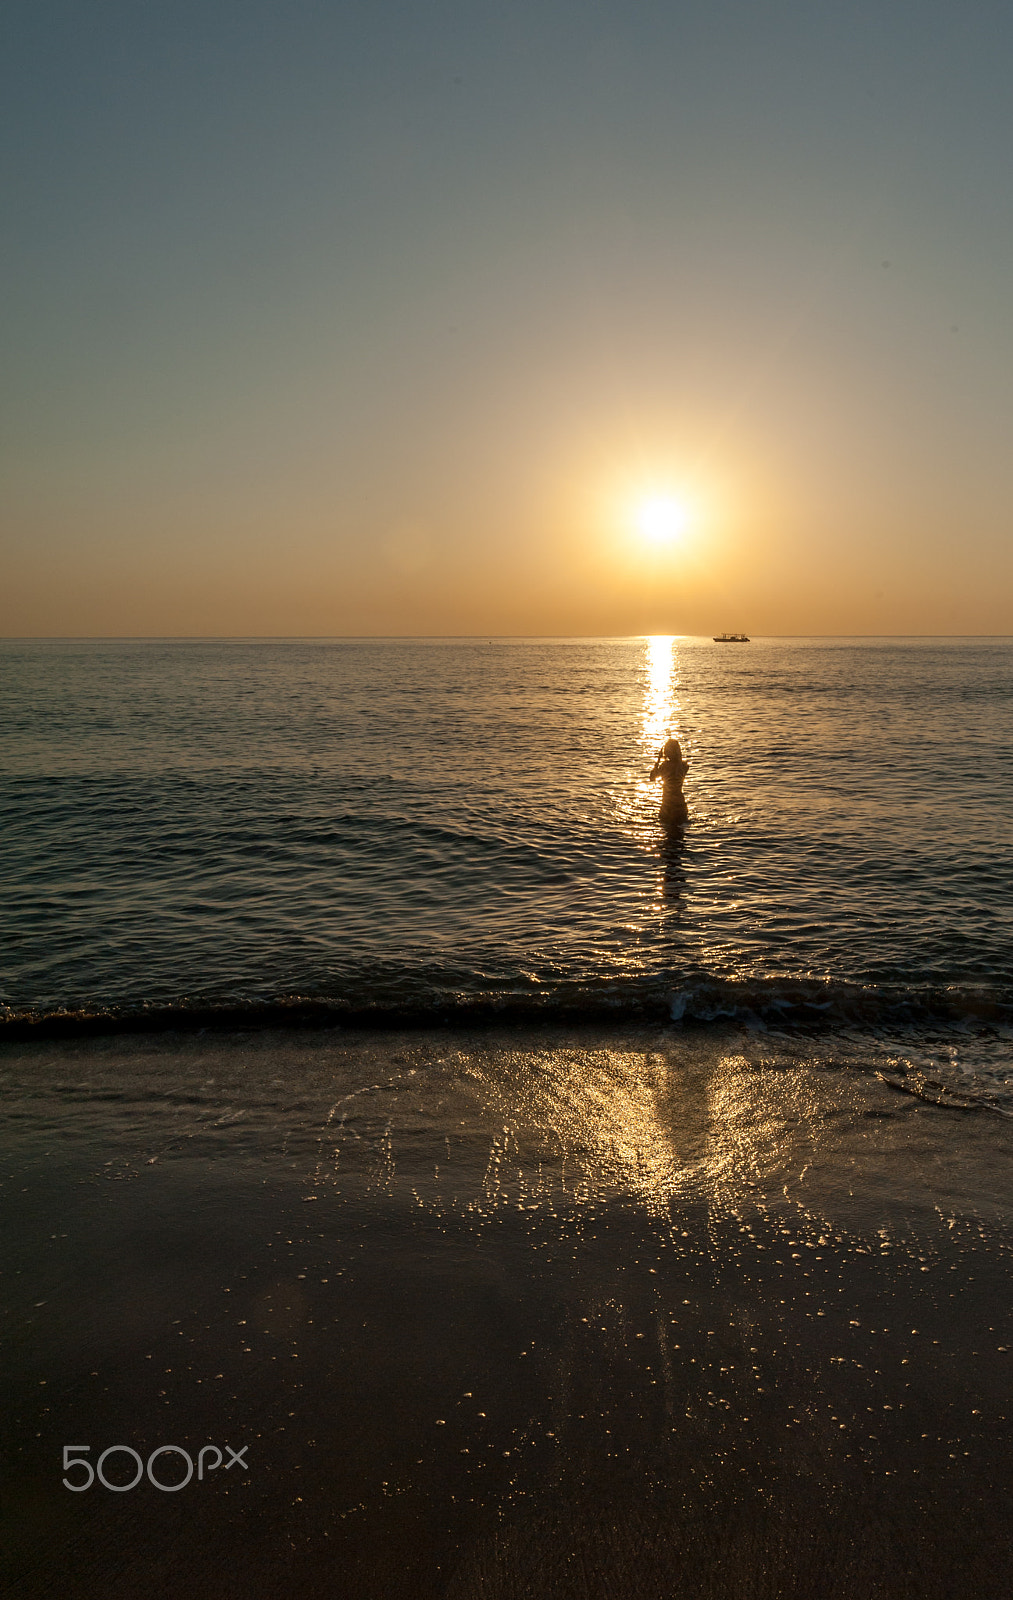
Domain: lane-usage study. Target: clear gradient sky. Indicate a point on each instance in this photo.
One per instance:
(378, 317)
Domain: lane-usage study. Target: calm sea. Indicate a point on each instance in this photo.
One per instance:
(443, 826)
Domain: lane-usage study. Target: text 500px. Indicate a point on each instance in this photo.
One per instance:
(74, 1457)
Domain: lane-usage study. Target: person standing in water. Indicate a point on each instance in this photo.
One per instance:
(671, 769)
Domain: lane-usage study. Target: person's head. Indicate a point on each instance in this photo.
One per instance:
(672, 748)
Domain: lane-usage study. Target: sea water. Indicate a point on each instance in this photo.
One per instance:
(444, 827)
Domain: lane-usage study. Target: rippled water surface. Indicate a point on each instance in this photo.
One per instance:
(424, 822)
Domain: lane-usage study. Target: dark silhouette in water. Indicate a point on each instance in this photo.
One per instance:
(672, 859)
(671, 769)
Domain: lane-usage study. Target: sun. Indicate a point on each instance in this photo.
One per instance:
(661, 519)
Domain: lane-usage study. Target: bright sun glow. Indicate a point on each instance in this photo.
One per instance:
(662, 519)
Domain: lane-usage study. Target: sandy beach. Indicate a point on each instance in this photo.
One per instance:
(505, 1314)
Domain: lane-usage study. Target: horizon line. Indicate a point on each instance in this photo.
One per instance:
(197, 638)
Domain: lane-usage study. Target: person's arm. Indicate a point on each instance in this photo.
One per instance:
(657, 768)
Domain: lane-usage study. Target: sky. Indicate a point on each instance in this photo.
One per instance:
(534, 318)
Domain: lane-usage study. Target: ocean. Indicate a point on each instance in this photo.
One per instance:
(421, 1174)
(385, 829)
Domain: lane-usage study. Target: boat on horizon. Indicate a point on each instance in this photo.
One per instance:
(731, 638)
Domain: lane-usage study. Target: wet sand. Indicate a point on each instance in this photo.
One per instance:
(500, 1315)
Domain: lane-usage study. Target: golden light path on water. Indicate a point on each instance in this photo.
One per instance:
(660, 714)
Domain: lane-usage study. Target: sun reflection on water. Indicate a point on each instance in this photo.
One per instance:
(660, 714)
(660, 711)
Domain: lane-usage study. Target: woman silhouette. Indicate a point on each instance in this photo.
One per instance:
(671, 769)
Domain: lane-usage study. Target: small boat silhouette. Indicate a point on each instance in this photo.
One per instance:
(731, 638)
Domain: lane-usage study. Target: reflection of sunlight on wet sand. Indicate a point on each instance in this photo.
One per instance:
(483, 1128)
(560, 1129)
(750, 1124)
(601, 1112)
(667, 1128)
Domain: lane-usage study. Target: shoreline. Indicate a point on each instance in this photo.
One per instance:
(543, 1311)
(783, 1003)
